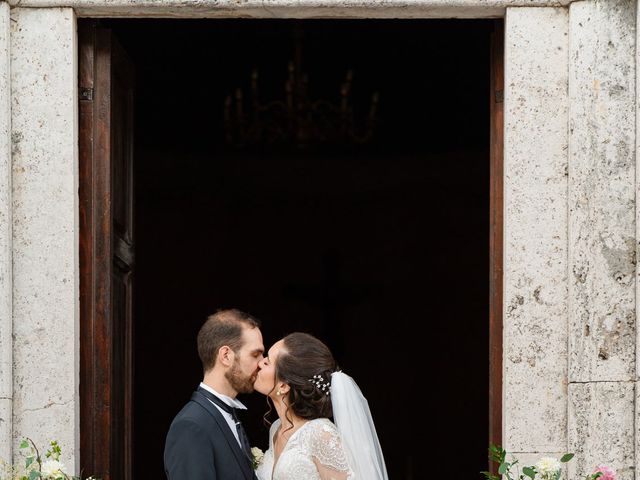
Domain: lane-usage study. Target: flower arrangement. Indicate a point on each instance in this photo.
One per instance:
(547, 468)
(258, 455)
(37, 468)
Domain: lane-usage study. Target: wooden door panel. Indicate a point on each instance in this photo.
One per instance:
(496, 95)
(106, 85)
(121, 393)
(121, 133)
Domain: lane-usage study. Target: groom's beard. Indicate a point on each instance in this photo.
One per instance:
(238, 381)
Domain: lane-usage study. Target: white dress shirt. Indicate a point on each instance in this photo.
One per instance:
(232, 402)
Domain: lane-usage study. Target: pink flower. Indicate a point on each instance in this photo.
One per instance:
(608, 473)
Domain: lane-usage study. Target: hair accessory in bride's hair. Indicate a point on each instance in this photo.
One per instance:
(318, 381)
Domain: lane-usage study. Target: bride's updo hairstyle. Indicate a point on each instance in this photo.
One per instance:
(306, 364)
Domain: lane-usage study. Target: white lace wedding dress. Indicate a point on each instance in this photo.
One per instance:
(313, 452)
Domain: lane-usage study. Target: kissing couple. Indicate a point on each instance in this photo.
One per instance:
(324, 430)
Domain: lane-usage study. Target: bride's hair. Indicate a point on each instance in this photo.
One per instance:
(306, 365)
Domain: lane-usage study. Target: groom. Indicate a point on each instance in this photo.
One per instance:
(206, 441)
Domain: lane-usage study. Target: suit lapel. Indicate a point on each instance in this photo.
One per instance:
(242, 459)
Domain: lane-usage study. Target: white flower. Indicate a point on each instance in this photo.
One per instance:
(52, 469)
(257, 455)
(548, 467)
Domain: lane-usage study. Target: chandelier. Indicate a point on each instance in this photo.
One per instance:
(297, 120)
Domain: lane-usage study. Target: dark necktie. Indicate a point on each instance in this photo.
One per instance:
(242, 435)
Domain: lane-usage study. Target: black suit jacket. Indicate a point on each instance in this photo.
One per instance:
(200, 445)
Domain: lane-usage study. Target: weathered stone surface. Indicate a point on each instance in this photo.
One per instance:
(293, 8)
(602, 191)
(637, 191)
(535, 261)
(45, 234)
(5, 427)
(637, 386)
(43, 420)
(6, 293)
(601, 420)
(637, 428)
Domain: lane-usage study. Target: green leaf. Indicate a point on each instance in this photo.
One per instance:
(565, 458)
(497, 453)
(503, 468)
(493, 450)
(529, 472)
(24, 444)
(34, 475)
(29, 461)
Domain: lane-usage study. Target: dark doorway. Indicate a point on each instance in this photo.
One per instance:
(381, 249)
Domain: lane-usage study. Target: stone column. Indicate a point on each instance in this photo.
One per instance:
(6, 316)
(637, 272)
(45, 227)
(602, 233)
(535, 245)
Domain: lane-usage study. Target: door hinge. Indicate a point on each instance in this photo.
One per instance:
(86, 93)
(499, 96)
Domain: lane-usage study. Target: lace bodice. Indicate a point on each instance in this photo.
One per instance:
(313, 452)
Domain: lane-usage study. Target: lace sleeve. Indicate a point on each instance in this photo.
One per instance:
(327, 452)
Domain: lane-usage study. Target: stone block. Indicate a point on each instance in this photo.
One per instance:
(293, 8)
(535, 237)
(6, 289)
(45, 226)
(602, 191)
(601, 428)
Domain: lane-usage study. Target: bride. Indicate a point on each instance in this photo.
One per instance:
(301, 378)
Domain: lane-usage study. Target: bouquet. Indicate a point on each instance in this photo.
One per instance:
(37, 468)
(547, 468)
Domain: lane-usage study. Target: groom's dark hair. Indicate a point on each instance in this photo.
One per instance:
(223, 328)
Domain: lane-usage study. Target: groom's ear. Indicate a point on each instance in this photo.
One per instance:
(226, 356)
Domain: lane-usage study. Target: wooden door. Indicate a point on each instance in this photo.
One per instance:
(106, 254)
(496, 96)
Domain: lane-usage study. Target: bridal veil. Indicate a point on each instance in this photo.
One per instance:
(353, 419)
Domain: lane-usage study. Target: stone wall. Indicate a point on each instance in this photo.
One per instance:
(6, 290)
(45, 227)
(570, 234)
(602, 234)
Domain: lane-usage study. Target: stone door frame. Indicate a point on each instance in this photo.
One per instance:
(93, 434)
(558, 248)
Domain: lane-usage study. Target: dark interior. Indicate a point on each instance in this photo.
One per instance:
(380, 249)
